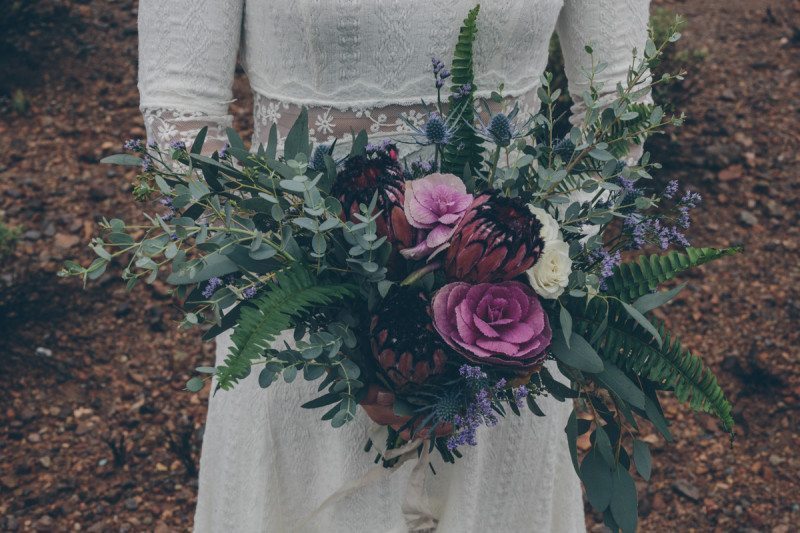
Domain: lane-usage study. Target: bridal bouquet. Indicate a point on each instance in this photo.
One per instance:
(445, 283)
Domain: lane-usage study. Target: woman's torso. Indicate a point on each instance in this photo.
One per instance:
(361, 64)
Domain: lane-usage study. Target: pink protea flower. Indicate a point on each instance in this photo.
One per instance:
(434, 204)
(378, 170)
(493, 323)
(497, 239)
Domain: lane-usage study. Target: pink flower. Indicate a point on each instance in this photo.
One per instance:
(434, 204)
(494, 323)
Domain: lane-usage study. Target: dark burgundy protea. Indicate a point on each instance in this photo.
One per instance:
(497, 240)
(378, 169)
(403, 340)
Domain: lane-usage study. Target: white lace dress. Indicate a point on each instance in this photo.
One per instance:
(365, 64)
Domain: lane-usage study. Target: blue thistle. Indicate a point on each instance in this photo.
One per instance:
(565, 148)
(436, 130)
(447, 407)
(500, 129)
(318, 156)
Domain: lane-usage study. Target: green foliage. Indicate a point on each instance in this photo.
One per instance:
(293, 293)
(19, 102)
(635, 279)
(620, 129)
(8, 239)
(663, 23)
(464, 150)
(632, 348)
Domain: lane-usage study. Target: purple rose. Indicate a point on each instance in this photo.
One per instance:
(434, 205)
(494, 323)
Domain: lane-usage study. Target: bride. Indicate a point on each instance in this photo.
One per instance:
(266, 463)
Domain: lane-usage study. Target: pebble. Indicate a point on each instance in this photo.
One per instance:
(46, 461)
(776, 460)
(747, 218)
(66, 241)
(731, 173)
(34, 438)
(722, 155)
(131, 504)
(32, 235)
(8, 482)
(687, 489)
(774, 208)
(11, 523)
(44, 352)
(45, 523)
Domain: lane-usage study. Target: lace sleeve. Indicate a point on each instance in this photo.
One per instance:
(613, 28)
(187, 57)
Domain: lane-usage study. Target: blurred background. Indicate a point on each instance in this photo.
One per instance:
(96, 433)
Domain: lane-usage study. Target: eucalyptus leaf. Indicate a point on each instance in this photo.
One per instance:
(272, 141)
(654, 415)
(321, 401)
(195, 384)
(266, 377)
(297, 139)
(122, 159)
(578, 354)
(642, 320)
(199, 139)
(641, 456)
(313, 372)
(566, 324)
(621, 385)
(289, 373)
(648, 302)
(571, 430)
(624, 505)
(603, 445)
(597, 478)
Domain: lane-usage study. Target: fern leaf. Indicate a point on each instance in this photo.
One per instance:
(464, 149)
(635, 279)
(618, 145)
(292, 294)
(630, 347)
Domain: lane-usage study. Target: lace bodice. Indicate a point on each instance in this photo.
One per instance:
(358, 64)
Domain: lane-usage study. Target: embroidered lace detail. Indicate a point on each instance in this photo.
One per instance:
(326, 123)
(164, 126)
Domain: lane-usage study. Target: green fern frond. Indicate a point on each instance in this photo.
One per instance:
(618, 143)
(630, 347)
(635, 279)
(465, 146)
(292, 294)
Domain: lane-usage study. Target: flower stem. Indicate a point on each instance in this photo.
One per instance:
(420, 273)
(493, 169)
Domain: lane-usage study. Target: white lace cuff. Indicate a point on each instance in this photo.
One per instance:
(165, 126)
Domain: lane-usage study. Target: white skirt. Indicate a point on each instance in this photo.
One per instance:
(267, 464)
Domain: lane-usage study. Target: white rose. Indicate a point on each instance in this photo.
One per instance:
(550, 275)
(551, 232)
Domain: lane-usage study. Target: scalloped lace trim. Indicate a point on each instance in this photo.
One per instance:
(327, 123)
(164, 126)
